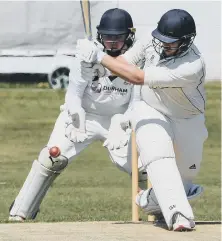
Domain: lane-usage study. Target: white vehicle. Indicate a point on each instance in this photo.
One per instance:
(55, 64)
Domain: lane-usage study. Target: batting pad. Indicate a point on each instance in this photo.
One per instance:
(169, 190)
(36, 185)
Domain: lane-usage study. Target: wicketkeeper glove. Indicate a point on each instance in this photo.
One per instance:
(75, 129)
(119, 133)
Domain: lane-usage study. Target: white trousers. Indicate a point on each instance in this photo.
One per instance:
(97, 129)
(159, 137)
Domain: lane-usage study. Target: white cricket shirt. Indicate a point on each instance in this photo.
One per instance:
(173, 86)
(103, 97)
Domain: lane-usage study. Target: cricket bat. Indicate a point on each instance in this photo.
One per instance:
(135, 208)
(135, 179)
(85, 7)
(86, 15)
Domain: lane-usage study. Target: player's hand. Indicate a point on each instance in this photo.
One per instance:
(89, 51)
(75, 129)
(119, 133)
(90, 71)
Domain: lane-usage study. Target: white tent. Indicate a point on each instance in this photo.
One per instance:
(37, 36)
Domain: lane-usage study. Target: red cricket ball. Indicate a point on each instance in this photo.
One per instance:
(54, 151)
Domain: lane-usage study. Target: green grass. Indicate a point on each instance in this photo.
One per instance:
(91, 188)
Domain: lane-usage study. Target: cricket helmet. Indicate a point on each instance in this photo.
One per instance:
(175, 25)
(115, 31)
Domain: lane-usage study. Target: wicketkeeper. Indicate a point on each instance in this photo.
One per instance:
(85, 117)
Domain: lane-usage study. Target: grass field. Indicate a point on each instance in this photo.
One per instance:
(91, 188)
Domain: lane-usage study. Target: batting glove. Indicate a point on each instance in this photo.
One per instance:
(90, 71)
(75, 130)
(89, 51)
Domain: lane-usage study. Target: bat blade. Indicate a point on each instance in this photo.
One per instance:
(85, 7)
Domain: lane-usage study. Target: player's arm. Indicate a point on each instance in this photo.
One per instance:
(124, 70)
(157, 76)
(75, 129)
(75, 89)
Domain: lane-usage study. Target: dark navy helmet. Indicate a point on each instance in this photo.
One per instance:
(175, 25)
(115, 31)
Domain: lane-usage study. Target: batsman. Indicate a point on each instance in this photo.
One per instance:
(89, 114)
(169, 121)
